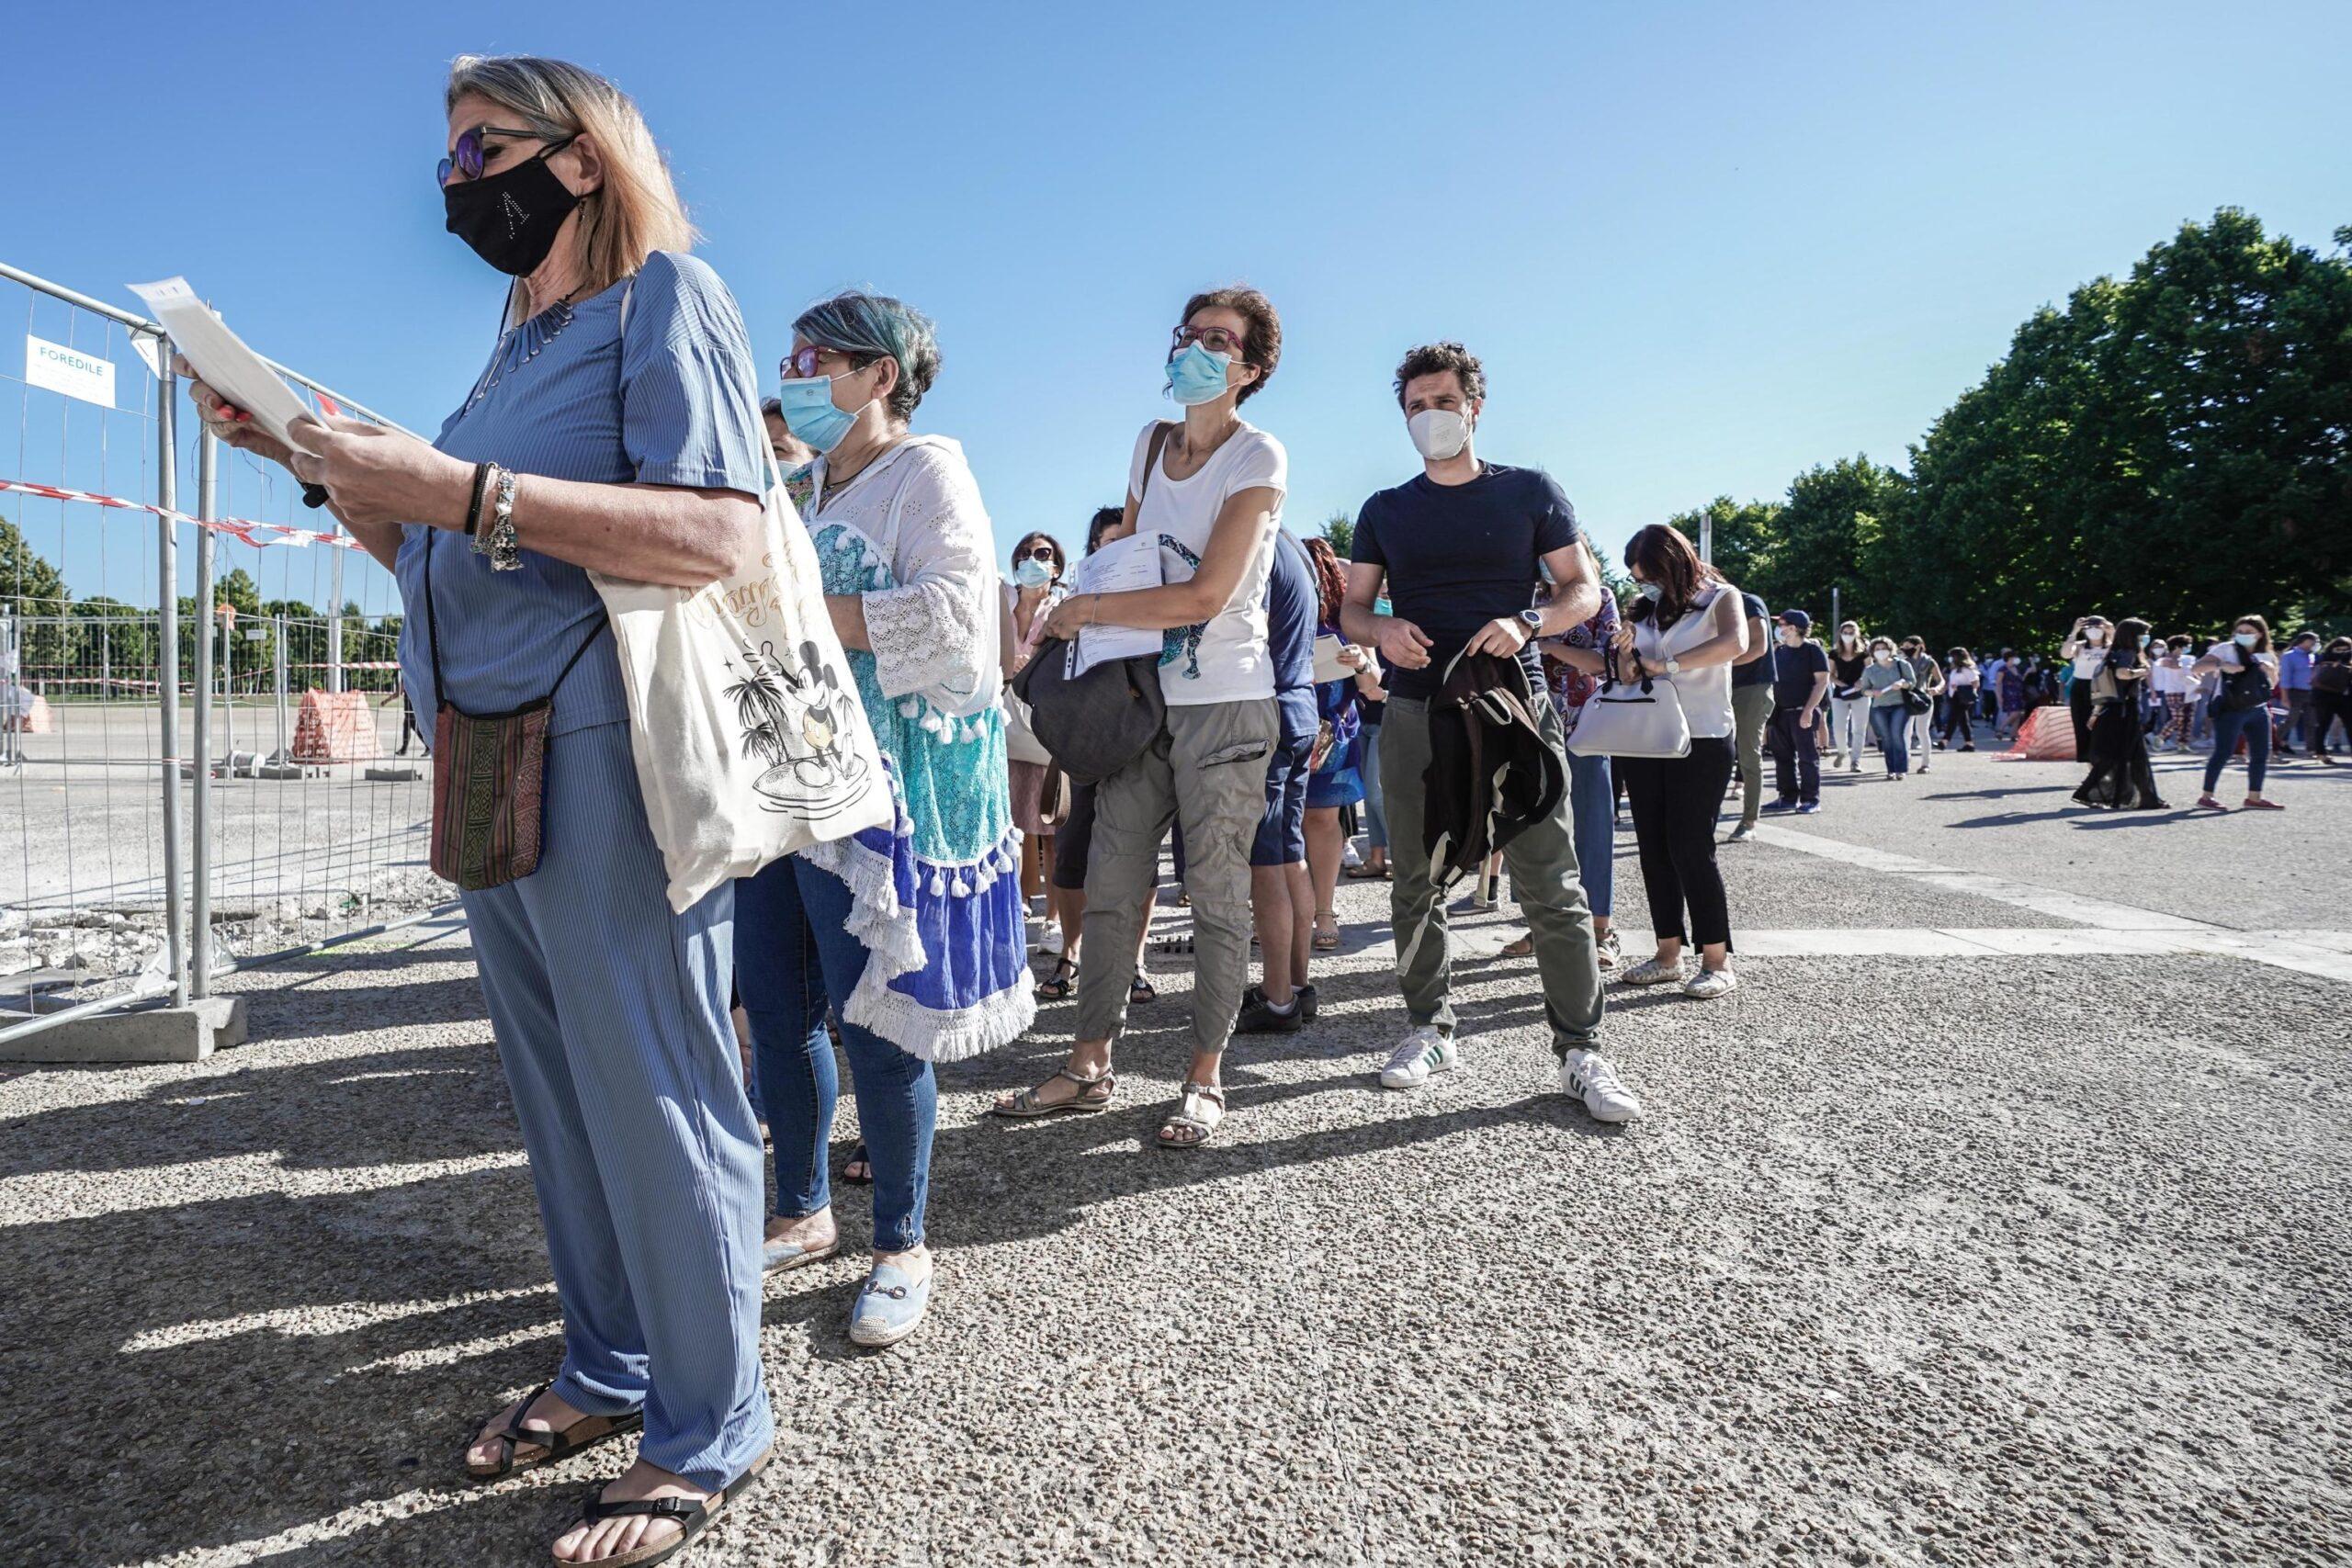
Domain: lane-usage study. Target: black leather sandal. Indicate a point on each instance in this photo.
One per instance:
(693, 1517)
(552, 1445)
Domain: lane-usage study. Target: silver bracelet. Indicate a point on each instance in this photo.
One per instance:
(505, 552)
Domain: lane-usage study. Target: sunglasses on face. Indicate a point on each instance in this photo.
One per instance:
(1216, 340)
(469, 156)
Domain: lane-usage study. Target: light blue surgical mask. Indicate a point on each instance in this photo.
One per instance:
(1653, 591)
(2245, 639)
(808, 411)
(1034, 573)
(1196, 376)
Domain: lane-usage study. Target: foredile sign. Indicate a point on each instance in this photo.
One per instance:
(69, 370)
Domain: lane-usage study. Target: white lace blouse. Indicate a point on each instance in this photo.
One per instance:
(934, 630)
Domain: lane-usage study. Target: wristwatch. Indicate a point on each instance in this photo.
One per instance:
(1674, 667)
(1534, 621)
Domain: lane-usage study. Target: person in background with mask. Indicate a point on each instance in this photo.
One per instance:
(1281, 892)
(1885, 679)
(1800, 686)
(2246, 672)
(1751, 708)
(1920, 727)
(2119, 777)
(2168, 683)
(1074, 841)
(913, 933)
(1850, 707)
(2330, 696)
(635, 447)
(1038, 573)
(2295, 686)
(793, 455)
(1459, 546)
(1375, 819)
(1592, 792)
(2084, 650)
(1209, 488)
(2008, 689)
(1961, 679)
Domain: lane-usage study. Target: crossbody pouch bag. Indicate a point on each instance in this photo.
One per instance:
(489, 774)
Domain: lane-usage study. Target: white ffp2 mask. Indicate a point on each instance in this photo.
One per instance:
(1437, 434)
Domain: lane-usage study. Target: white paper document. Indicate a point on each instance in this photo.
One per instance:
(1120, 567)
(222, 361)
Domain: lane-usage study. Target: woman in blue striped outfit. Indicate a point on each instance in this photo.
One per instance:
(629, 446)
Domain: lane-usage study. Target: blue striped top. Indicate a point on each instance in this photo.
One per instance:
(673, 403)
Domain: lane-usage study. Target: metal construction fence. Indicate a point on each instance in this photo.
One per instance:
(205, 755)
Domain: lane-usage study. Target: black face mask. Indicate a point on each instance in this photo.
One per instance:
(511, 220)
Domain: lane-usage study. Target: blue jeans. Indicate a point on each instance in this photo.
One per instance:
(1889, 724)
(1592, 806)
(2254, 723)
(1376, 822)
(793, 950)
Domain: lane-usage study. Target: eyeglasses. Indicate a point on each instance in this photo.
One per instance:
(801, 363)
(1043, 552)
(1216, 340)
(470, 156)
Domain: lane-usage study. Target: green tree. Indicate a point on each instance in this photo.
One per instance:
(34, 593)
(1339, 528)
(1745, 537)
(1820, 532)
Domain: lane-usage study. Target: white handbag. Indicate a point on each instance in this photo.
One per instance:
(1021, 742)
(1631, 718)
(749, 739)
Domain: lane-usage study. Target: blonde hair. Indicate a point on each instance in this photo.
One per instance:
(636, 211)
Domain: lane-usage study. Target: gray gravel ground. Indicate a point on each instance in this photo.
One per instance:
(1950, 1261)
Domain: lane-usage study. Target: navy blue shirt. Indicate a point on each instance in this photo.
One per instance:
(1292, 608)
(1756, 671)
(1460, 556)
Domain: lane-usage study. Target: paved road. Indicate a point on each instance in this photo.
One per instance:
(2033, 1257)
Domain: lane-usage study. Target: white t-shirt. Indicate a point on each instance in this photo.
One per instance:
(2089, 659)
(1705, 694)
(1960, 676)
(1223, 659)
(2167, 679)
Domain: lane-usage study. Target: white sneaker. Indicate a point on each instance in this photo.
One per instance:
(1653, 972)
(1426, 1050)
(1709, 984)
(1050, 943)
(1586, 1076)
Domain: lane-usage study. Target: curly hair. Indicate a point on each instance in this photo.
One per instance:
(1430, 358)
(1331, 580)
(1262, 343)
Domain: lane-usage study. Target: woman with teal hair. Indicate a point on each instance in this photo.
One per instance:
(914, 934)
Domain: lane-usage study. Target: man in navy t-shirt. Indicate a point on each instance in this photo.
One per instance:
(1458, 548)
(1282, 896)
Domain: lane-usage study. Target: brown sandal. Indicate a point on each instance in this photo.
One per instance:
(1199, 1112)
(1026, 1104)
(551, 1445)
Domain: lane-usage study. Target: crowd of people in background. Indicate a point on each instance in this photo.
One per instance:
(1304, 696)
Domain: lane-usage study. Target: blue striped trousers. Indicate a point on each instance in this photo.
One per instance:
(612, 1021)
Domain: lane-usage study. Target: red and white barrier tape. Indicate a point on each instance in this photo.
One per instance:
(260, 536)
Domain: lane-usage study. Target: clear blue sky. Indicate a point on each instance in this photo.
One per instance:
(1699, 246)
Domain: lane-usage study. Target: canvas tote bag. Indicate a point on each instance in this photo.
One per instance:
(749, 739)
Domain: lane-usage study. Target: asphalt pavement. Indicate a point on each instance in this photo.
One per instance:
(2036, 1257)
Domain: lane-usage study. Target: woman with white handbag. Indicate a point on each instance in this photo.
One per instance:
(1682, 635)
(1039, 799)
(913, 932)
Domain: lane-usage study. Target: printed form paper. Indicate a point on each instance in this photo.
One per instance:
(1120, 567)
(222, 361)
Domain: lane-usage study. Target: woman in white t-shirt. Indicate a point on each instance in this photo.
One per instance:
(1209, 488)
(2086, 648)
(2247, 672)
(1689, 627)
